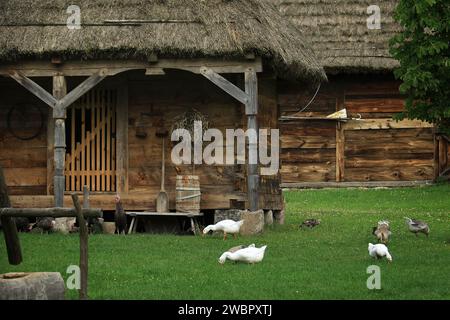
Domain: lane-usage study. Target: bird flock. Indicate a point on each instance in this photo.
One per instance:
(248, 254)
(383, 232)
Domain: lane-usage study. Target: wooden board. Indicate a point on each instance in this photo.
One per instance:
(371, 149)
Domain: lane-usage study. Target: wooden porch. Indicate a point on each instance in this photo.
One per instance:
(135, 197)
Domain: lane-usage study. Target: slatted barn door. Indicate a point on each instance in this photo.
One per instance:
(91, 142)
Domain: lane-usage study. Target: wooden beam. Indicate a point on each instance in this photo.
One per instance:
(59, 115)
(85, 197)
(225, 85)
(351, 184)
(340, 152)
(443, 154)
(122, 139)
(59, 91)
(251, 110)
(48, 212)
(83, 247)
(113, 67)
(50, 151)
(435, 156)
(251, 89)
(84, 87)
(385, 123)
(9, 226)
(340, 137)
(33, 87)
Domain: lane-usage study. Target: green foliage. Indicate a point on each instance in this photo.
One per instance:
(424, 54)
(326, 262)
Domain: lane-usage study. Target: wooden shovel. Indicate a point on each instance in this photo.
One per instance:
(162, 201)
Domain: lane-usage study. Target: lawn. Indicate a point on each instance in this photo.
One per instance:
(328, 262)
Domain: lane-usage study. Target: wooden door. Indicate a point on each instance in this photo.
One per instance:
(91, 142)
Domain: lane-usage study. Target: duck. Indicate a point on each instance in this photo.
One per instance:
(417, 226)
(310, 223)
(382, 231)
(236, 248)
(379, 251)
(226, 226)
(46, 224)
(250, 254)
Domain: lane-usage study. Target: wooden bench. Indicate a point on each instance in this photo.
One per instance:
(136, 214)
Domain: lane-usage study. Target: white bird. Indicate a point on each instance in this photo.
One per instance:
(250, 254)
(416, 226)
(226, 226)
(236, 248)
(379, 250)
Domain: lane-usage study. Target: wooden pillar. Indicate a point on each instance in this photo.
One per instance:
(9, 226)
(122, 139)
(83, 248)
(340, 136)
(443, 150)
(50, 150)
(59, 116)
(251, 111)
(435, 156)
(340, 150)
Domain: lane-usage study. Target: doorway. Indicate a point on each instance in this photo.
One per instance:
(91, 142)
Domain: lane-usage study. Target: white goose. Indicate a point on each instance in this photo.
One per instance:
(226, 226)
(379, 251)
(250, 254)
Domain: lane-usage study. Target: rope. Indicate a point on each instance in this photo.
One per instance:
(312, 99)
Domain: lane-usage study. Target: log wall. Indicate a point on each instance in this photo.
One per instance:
(153, 103)
(375, 148)
(24, 161)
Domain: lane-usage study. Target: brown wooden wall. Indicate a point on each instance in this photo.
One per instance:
(373, 149)
(24, 161)
(153, 103)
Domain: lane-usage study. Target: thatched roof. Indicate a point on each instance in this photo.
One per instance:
(173, 28)
(337, 30)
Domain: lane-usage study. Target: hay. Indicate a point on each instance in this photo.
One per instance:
(222, 29)
(187, 119)
(338, 33)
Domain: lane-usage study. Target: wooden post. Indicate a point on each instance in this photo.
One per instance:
(443, 149)
(340, 151)
(122, 139)
(85, 197)
(83, 247)
(50, 150)
(59, 115)
(9, 226)
(251, 110)
(436, 156)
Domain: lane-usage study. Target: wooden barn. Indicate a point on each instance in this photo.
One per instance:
(82, 104)
(375, 150)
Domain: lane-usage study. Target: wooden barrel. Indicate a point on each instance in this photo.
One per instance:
(188, 194)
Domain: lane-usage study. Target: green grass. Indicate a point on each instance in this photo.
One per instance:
(328, 262)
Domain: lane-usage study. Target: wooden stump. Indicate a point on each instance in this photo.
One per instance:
(32, 286)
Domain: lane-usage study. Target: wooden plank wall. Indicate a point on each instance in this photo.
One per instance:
(155, 102)
(24, 161)
(375, 149)
(308, 148)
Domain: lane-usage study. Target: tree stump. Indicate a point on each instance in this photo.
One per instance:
(32, 286)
